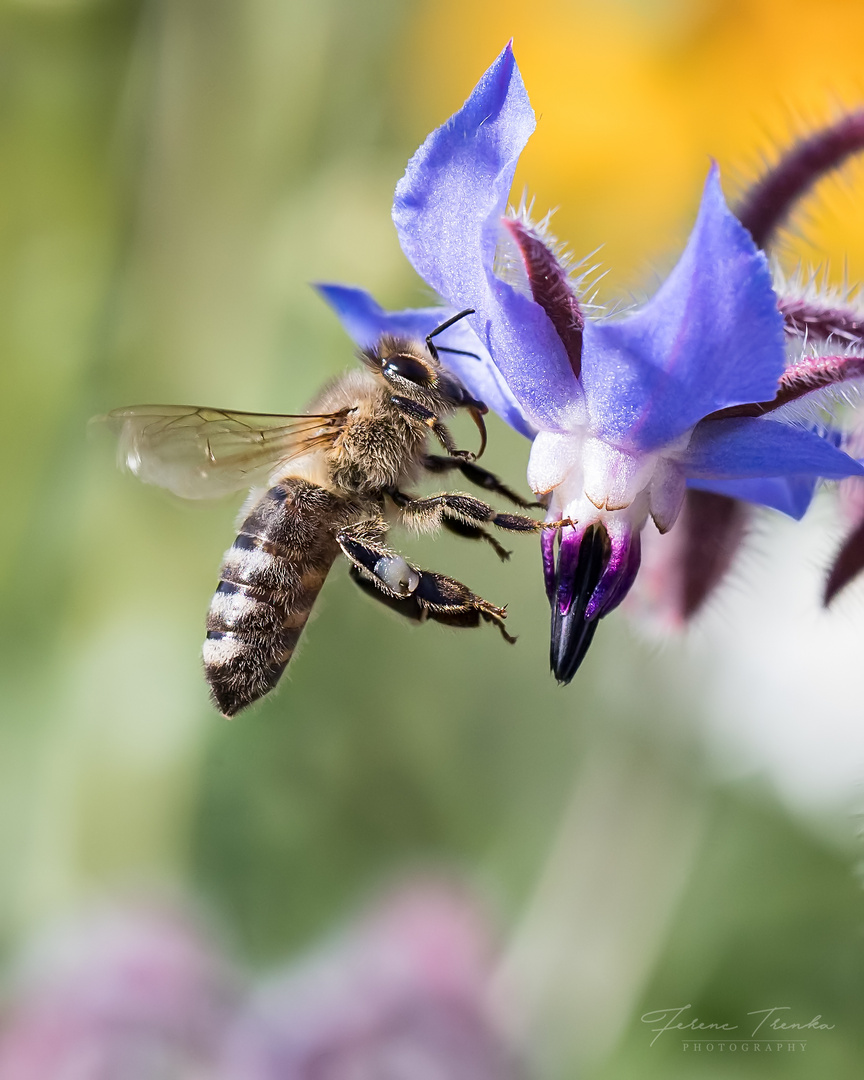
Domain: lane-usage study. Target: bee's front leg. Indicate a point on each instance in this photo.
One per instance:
(418, 594)
(415, 411)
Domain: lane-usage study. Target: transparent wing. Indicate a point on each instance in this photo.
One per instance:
(202, 453)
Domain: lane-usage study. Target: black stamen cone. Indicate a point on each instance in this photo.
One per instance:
(572, 633)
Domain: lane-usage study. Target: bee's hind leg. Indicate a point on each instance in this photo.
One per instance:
(449, 601)
(417, 594)
(406, 606)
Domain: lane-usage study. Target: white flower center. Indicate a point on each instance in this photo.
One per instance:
(591, 480)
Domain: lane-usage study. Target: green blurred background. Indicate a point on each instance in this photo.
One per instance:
(679, 826)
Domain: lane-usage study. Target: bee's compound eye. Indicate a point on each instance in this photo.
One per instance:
(408, 367)
(396, 574)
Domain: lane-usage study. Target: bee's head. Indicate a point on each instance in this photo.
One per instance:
(404, 365)
(414, 371)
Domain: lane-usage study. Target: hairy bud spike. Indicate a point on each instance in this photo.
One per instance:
(714, 527)
(767, 204)
(802, 317)
(810, 374)
(848, 564)
(551, 289)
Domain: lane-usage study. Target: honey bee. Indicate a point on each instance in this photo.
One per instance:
(334, 475)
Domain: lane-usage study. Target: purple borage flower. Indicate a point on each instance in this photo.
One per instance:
(694, 398)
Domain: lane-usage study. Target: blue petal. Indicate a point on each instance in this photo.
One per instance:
(365, 321)
(790, 495)
(447, 210)
(710, 337)
(749, 447)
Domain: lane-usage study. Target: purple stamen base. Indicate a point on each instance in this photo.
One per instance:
(582, 558)
(618, 577)
(547, 549)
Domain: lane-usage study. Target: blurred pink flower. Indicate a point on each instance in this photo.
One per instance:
(400, 996)
(126, 995)
(143, 995)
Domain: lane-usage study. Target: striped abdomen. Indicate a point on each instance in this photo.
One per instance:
(269, 580)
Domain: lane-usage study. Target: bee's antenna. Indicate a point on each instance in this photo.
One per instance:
(458, 352)
(433, 352)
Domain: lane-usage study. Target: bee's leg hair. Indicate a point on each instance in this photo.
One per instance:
(433, 596)
(434, 463)
(474, 532)
(415, 411)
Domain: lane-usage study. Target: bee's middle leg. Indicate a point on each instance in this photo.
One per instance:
(474, 532)
(430, 513)
(437, 464)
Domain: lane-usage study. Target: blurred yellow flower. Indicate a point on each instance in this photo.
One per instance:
(643, 93)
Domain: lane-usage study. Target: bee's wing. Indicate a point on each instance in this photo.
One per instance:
(201, 453)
